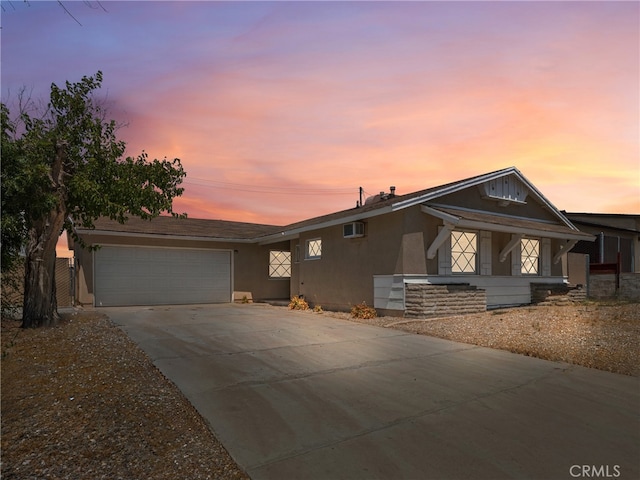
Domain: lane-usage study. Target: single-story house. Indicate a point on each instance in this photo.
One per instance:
(486, 241)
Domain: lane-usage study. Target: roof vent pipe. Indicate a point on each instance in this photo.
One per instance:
(392, 191)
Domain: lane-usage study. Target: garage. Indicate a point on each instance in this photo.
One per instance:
(161, 276)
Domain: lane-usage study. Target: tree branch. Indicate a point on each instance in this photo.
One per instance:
(68, 12)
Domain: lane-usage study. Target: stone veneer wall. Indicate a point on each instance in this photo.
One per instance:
(604, 286)
(426, 300)
(557, 294)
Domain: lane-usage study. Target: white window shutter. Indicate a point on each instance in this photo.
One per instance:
(444, 256)
(545, 253)
(485, 252)
(516, 260)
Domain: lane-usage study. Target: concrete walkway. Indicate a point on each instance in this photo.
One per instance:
(306, 396)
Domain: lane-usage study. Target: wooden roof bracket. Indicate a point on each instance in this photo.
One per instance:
(515, 241)
(564, 249)
(442, 236)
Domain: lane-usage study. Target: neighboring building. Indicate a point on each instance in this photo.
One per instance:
(614, 234)
(487, 240)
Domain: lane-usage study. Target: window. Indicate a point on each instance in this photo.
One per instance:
(353, 230)
(529, 256)
(279, 264)
(464, 252)
(314, 249)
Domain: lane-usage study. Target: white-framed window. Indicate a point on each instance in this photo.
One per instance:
(313, 249)
(464, 252)
(279, 264)
(529, 256)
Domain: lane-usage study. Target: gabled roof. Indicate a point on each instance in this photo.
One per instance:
(395, 203)
(222, 230)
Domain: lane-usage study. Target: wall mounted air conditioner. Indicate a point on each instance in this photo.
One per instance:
(353, 230)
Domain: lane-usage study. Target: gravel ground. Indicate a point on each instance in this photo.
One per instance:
(80, 400)
(601, 335)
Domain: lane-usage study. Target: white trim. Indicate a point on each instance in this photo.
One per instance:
(484, 250)
(444, 253)
(496, 227)
(539, 263)
(306, 249)
(457, 186)
(544, 260)
(485, 212)
(442, 215)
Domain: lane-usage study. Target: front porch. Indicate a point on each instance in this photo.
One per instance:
(390, 291)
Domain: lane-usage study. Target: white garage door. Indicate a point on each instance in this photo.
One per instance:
(157, 276)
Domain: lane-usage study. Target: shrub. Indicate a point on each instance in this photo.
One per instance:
(363, 311)
(298, 303)
(317, 309)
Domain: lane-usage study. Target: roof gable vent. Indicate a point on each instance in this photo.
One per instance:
(505, 190)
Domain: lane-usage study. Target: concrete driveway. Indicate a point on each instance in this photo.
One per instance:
(305, 396)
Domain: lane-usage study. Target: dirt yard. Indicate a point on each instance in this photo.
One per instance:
(80, 400)
(601, 335)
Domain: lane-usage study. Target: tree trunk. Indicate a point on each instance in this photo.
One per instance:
(40, 307)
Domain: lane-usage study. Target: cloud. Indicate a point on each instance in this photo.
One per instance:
(348, 94)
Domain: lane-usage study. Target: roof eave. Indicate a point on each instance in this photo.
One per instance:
(496, 227)
(295, 232)
(111, 233)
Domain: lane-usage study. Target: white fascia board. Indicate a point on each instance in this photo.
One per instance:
(533, 232)
(493, 227)
(110, 233)
(454, 188)
(482, 179)
(435, 206)
(545, 201)
(441, 215)
(295, 233)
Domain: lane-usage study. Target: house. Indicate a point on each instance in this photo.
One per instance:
(485, 241)
(610, 266)
(615, 234)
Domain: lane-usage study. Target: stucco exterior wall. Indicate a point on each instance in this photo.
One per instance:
(343, 276)
(394, 244)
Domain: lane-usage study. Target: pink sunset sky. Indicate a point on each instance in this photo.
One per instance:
(279, 111)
